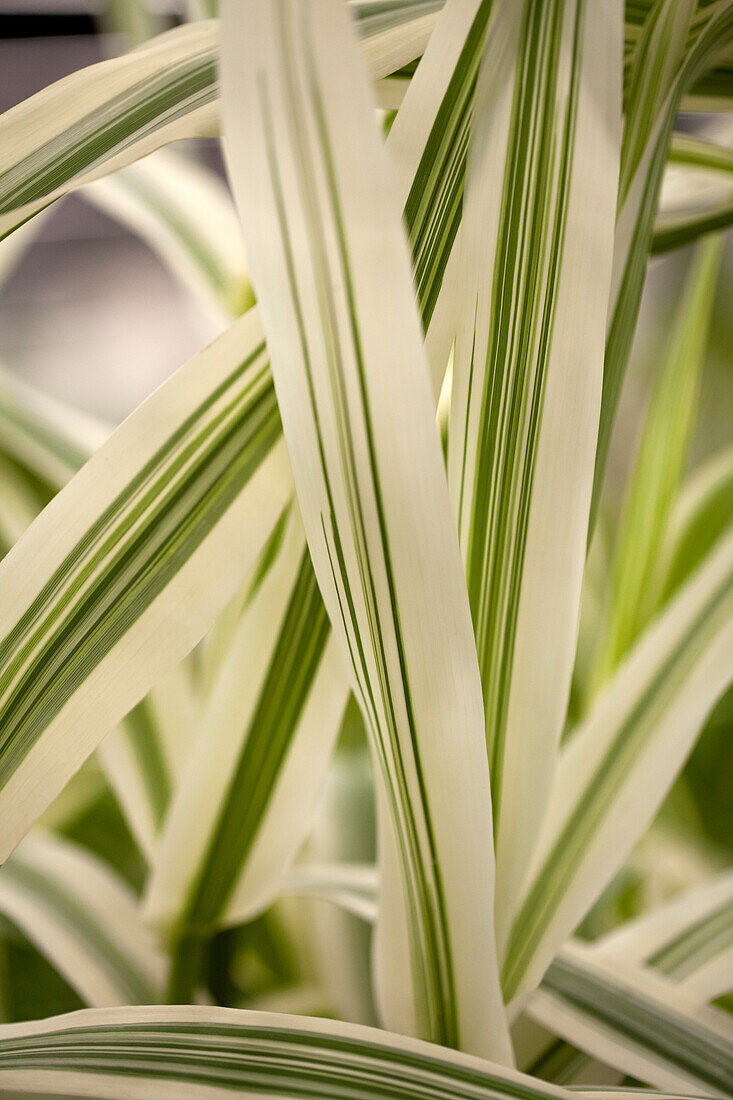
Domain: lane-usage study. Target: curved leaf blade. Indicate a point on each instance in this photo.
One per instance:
(146, 1052)
(84, 919)
(618, 766)
(166, 515)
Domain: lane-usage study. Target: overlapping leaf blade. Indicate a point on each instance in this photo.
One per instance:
(668, 62)
(111, 114)
(659, 463)
(448, 63)
(540, 201)
(139, 1052)
(689, 939)
(616, 769)
(354, 394)
(84, 919)
(637, 1022)
(249, 788)
(44, 443)
(166, 516)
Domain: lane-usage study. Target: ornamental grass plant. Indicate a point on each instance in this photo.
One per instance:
(340, 700)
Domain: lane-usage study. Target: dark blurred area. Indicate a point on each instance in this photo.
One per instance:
(90, 315)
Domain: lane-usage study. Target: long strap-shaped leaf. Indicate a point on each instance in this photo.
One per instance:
(136, 764)
(689, 939)
(346, 346)
(637, 1022)
(143, 1053)
(266, 737)
(429, 141)
(83, 919)
(261, 736)
(617, 768)
(667, 64)
(45, 444)
(111, 114)
(537, 240)
(702, 515)
(659, 462)
(697, 193)
(126, 568)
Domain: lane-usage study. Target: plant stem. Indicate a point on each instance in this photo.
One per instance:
(186, 969)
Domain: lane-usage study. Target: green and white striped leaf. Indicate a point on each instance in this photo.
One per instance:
(697, 193)
(428, 142)
(111, 114)
(702, 515)
(668, 61)
(143, 758)
(126, 568)
(637, 1022)
(106, 116)
(46, 442)
(179, 857)
(45, 438)
(659, 462)
(268, 730)
(184, 212)
(84, 919)
(161, 1053)
(689, 939)
(617, 768)
(527, 375)
(345, 341)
